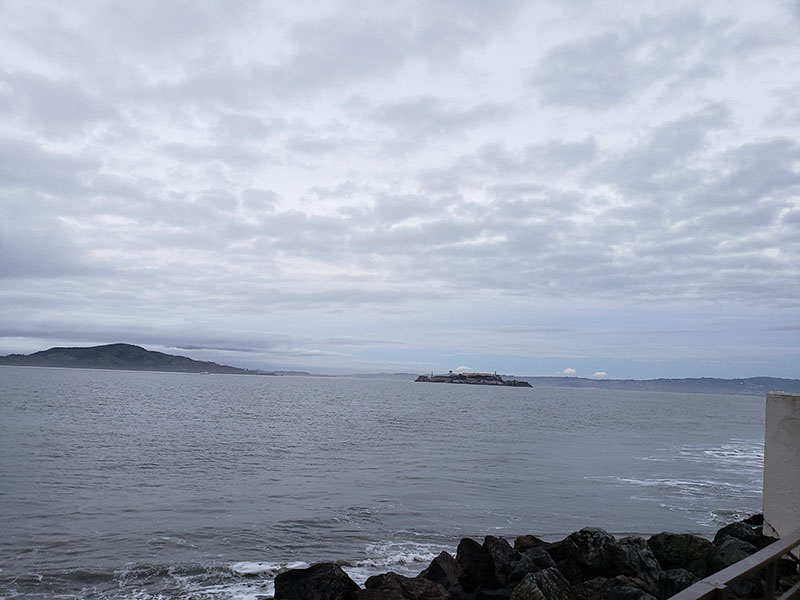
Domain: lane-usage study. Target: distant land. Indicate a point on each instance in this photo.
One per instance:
(124, 357)
(128, 357)
(749, 386)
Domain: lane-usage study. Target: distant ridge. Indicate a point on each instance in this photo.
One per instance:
(124, 357)
(749, 386)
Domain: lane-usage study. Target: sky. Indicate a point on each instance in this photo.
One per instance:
(595, 189)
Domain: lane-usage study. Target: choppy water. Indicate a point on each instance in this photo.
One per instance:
(162, 485)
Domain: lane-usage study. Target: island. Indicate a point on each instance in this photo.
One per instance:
(472, 379)
(124, 357)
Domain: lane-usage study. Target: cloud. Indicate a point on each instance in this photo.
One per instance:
(352, 173)
(417, 119)
(55, 107)
(568, 371)
(606, 69)
(599, 374)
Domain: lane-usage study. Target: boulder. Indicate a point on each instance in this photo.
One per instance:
(393, 586)
(510, 566)
(595, 549)
(474, 566)
(739, 530)
(632, 556)
(539, 558)
(526, 542)
(757, 519)
(729, 551)
(442, 570)
(498, 594)
(675, 580)
(625, 592)
(682, 551)
(547, 584)
(457, 593)
(585, 554)
(504, 557)
(323, 581)
(599, 588)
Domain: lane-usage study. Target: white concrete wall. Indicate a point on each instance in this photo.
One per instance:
(781, 501)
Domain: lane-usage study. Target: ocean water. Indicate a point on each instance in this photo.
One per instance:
(162, 485)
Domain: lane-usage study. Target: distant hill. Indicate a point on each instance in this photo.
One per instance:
(124, 357)
(750, 386)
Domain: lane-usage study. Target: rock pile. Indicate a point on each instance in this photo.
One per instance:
(589, 564)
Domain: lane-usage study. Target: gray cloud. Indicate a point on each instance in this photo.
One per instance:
(291, 182)
(54, 107)
(606, 69)
(417, 119)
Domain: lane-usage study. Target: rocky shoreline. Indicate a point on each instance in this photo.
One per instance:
(589, 564)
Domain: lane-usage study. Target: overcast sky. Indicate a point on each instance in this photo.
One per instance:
(600, 189)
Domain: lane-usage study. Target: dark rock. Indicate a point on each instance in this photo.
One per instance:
(323, 581)
(547, 584)
(504, 557)
(562, 550)
(624, 592)
(594, 589)
(564, 554)
(474, 566)
(526, 542)
(757, 520)
(600, 587)
(511, 566)
(675, 580)
(739, 530)
(442, 570)
(540, 558)
(499, 594)
(395, 586)
(458, 593)
(585, 554)
(572, 571)
(730, 550)
(632, 557)
(595, 549)
(787, 565)
(376, 595)
(682, 551)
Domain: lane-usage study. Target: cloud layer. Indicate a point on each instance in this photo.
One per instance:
(405, 188)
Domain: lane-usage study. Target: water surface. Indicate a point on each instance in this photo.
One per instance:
(161, 485)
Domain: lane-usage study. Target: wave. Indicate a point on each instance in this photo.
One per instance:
(711, 484)
(239, 580)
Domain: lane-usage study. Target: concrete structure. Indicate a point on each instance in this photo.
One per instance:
(781, 501)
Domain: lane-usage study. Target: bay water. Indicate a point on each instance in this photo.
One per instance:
(140, 485)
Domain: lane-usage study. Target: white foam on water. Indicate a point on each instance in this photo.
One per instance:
(254, 568)
(404, 558)
(725, 484)
(744, 456)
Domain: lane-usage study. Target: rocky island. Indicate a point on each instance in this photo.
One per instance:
(472, 379)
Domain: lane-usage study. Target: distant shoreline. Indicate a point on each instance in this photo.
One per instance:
(128, 357)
